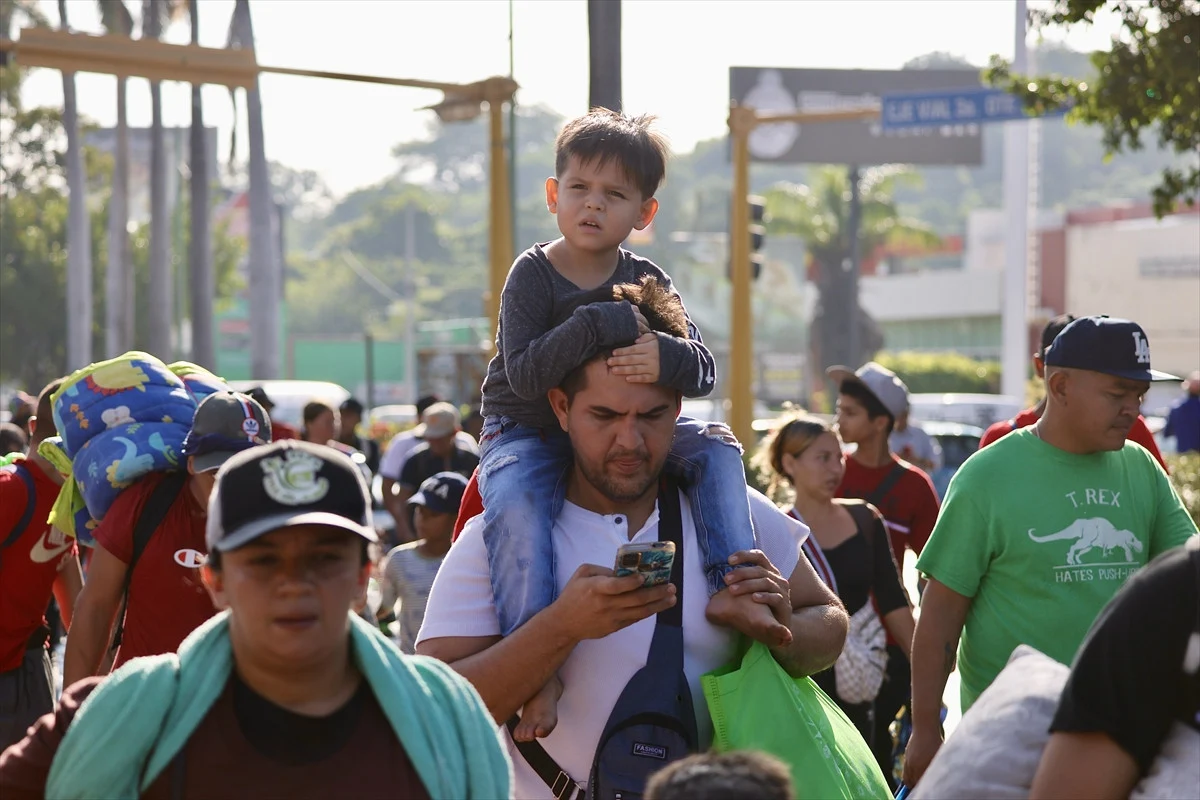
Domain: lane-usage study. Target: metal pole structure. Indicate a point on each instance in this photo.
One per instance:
(202, 283)
(500, 246)
(604, 54)
(369, 343)
(741, 333)
(79, 229)
(410, 303)
(512, 127)
(854, 223)
(1014, 314)
(118, 299)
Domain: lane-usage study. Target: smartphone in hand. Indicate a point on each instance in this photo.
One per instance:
(652, 560)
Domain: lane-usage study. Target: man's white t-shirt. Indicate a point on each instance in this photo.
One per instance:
(461, 604)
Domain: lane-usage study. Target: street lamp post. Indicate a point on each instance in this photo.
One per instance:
(742, 122)
(155, 60)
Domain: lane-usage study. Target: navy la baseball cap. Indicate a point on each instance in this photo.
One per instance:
(1108, 345)
(442, 492)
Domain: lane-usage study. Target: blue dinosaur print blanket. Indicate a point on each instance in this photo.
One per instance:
(120, 420)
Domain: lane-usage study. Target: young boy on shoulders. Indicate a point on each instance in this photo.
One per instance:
(607, 170)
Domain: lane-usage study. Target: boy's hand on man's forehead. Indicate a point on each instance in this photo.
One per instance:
(639, 362)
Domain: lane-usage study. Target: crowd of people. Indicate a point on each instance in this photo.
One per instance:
(552, 596)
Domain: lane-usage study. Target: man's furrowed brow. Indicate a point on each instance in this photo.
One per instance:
(612, 412)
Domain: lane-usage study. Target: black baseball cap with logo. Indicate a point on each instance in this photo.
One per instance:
(289, 482)
(225, 424)
(442, 492)
(1108, 345)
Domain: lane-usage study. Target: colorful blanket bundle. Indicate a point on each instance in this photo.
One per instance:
(118, 421)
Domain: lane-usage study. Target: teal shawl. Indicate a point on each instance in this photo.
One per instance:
(131, 727)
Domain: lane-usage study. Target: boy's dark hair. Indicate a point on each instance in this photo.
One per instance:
(869, 401)
(46, 427)
(602, 135)
(12, 439)
(351, 406)
(1053, 328)
(739, 775)
(662, 309)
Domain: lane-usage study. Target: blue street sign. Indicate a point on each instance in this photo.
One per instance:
(955, 107)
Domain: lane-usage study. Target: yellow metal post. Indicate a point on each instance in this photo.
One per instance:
(500, 249)
(741, 333)
(742, 121)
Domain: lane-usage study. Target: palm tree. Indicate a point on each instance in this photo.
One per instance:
(79, 231)
(201, 283)
(820, 214)
(118, 280)
(266, 289)
(157, 15)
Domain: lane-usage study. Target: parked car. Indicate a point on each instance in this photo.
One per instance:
(968, 409)
(958, 442)
(290, 397)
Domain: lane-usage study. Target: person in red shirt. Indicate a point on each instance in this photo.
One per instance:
(279, 429)
(166, 597)
(869, 400)
(36, 561)
(1138, 433)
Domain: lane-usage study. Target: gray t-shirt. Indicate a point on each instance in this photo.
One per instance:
(407, 577)
(549, 326)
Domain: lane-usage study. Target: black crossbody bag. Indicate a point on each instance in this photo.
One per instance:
(653, 721)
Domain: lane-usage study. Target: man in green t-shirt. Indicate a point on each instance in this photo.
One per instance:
(1040, 530)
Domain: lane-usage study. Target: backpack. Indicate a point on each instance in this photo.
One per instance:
(22, 472)
(653, 722)
(153, 513)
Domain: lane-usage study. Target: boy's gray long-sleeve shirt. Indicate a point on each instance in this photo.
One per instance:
(548, 327)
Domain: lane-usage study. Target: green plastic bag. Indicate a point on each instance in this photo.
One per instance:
(758, 706)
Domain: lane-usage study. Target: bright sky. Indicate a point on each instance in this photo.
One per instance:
(677, 55)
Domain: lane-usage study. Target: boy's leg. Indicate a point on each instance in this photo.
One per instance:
(708, 458)
(520, 475)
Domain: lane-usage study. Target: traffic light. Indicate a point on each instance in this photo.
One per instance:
(758, 234)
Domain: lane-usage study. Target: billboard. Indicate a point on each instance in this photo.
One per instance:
(859, 142)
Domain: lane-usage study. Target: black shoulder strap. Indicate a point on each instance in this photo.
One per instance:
(561, 784)
(30, 504)
(885, 485)
(153, 513)
(670, 529)
(865, 519)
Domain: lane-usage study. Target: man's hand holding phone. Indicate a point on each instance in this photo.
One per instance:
(594, 603)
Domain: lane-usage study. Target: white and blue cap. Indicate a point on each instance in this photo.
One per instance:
(225, 423)
(1108, 345)
(286, 483)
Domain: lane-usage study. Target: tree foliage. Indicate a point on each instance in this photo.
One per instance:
(33, 246)
(943, 372)
(1148, 82)
(819, 214)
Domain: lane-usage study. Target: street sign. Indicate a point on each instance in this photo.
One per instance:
(855, 142)
(919, 110)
